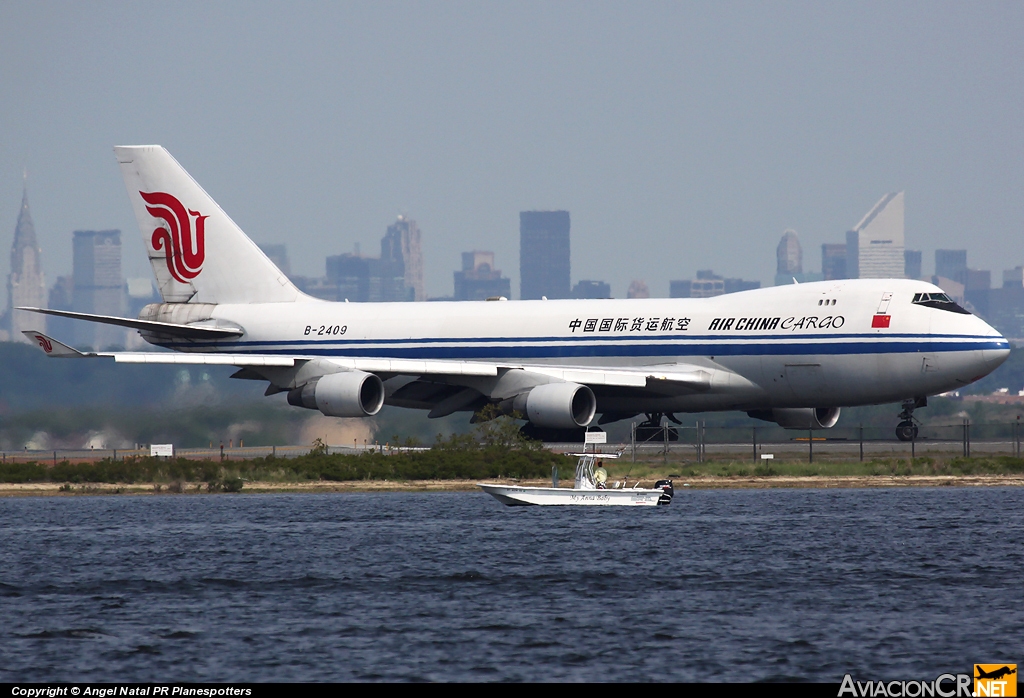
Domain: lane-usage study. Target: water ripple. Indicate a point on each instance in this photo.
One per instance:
(772, 585)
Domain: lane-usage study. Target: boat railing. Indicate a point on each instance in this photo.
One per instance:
(585, 479)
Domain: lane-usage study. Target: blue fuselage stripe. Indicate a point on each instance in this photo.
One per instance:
(676, 338)
(530, 348)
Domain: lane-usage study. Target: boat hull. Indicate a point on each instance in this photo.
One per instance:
(562, 496)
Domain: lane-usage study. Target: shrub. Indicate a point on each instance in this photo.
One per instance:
(22, 472)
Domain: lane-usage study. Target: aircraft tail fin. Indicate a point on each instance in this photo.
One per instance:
(198, 253)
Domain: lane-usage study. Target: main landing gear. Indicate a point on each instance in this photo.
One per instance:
(651, 430)
(906, 430)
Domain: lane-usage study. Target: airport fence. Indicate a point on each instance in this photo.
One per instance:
(700, 443)
(222, 453)
(695, 442)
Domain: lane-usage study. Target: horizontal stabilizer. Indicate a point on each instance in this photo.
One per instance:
(58, 349)
(167, 328)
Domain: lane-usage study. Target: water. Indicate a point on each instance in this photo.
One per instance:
(721, 585)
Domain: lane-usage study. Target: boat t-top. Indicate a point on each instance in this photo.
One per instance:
(589, 489)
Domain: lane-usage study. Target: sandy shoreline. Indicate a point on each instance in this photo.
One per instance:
(733, 482)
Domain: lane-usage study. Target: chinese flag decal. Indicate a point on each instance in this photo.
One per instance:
(880, 321)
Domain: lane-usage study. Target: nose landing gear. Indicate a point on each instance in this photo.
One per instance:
(906, 430)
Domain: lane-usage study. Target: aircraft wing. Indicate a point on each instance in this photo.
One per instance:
(690, 375)
(671, 376)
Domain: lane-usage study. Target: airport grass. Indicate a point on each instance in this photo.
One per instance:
(180, 474)
(433, 464)
(955, 466)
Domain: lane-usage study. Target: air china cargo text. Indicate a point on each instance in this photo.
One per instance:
(754, 324)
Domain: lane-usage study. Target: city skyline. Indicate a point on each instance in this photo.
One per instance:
(680, 133)
(98, 285)
(402, 239)
(420, 279)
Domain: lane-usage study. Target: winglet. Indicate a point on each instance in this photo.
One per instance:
(51, 347)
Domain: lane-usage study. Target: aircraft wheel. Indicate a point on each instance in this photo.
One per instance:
(547, 435)
(906, 431)
(647, 432)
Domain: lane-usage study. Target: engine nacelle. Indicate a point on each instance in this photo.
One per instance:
(800, 418)
(558, 405)
(344, 394)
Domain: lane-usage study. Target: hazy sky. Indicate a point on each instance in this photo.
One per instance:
(680, 136)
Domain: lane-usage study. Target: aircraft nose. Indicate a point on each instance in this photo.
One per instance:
(996, 352)
(994, 358)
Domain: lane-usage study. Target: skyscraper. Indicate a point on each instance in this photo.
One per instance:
(708, 285)
(833, 261)
(789, 259)
(26, 285)
(479, 280)
(789, 255)
(951, 264)
(587, 288)
(60, 298)
(397, 275)
(544, 254)
(912, 264)
(278, 254)
(401, 248)
(99, 286)
(874, 248)
(638, 289)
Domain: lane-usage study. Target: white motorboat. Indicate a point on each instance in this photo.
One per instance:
(589, 489)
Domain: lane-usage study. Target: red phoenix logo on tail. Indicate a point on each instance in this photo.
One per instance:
(186, 249)
(44, 343)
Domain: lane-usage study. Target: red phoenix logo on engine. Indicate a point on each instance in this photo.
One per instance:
(186, 248)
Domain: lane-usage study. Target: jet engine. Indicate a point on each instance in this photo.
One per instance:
(344, 394)
(557, 405)
(800, 418)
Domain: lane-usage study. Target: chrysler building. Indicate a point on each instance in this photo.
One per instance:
(25, 285)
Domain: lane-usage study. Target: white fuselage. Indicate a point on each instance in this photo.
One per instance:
(806, 345)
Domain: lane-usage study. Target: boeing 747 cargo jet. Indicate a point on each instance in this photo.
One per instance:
(793, 355)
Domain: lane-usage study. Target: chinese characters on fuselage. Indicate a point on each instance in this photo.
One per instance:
(718, 324)
(636, 324)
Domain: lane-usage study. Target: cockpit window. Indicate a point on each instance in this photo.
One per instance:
(939, 301)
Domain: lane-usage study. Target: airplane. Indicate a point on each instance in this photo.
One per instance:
(794, 354)
(994, 674)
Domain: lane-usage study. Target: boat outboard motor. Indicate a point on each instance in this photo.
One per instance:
(666, 491)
